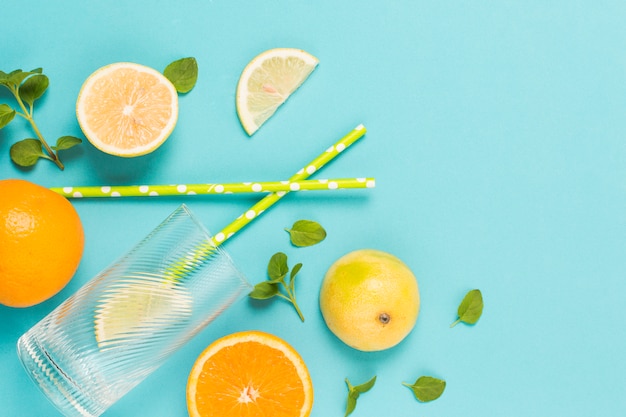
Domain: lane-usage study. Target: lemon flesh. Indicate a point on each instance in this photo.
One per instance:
(268, 81)
(127, 109)
(137, 311)
(370, 300)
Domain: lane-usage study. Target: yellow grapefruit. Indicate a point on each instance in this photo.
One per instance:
(370, 299)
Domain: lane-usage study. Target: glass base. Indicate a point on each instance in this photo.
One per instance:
(64, 393)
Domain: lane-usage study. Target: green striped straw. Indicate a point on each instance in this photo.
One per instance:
(204, 189)
(271, 199)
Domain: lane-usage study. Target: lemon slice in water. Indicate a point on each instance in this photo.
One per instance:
(268, 81)
(136, 311)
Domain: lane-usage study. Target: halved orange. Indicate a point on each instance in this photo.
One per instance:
(249, 373)
(127, 109)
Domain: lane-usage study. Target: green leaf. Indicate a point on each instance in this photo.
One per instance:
(16, 77)
(66, 142)
(306, 233)
(295, 270)
(470, 309)
(33, 88)
(365, 386)
(355, 391)
(264, 290)
(350, 405)
(27, 152)
(183, 74)
(292, 276)
(6, 115)
(277, 267)
(427, 388)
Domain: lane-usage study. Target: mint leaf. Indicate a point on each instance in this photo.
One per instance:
(16, 77)
(26, 152)
(427, 388)
(470, 309)
(306, 233)
(66, 142)
(33, 88)
(292, 277)
(295, 270)
(6, 115)
(183, 74)
(26, 87)
(4, 78)
(365, 386)
(277, 267)
(354, 391)
(277, 270)
(264, 290)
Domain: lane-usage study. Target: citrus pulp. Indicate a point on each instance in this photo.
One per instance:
(268, 81)
(127, 109)
(249, 373)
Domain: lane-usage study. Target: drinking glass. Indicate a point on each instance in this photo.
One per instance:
(123, 324)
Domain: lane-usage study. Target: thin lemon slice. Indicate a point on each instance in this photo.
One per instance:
(138, 311)
(127, 109)
(268, 81)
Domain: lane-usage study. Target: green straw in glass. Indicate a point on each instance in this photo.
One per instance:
(205, 189)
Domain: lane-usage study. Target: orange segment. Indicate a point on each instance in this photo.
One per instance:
(249, 373)
(127, 109)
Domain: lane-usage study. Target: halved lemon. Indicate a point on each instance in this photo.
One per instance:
(127, 109)
(268, 81)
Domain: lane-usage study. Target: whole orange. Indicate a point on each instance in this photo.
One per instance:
(41, 243)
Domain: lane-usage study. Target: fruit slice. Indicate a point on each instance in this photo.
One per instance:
(249, 373)
(267, 81)
(138, 311)
(127, 109)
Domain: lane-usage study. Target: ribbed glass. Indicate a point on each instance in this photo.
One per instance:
(124, 323)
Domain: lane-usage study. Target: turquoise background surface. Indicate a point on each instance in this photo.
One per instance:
(497, 136)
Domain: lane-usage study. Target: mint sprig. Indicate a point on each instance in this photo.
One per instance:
(354, 391)
(279, 276)
(27, 87)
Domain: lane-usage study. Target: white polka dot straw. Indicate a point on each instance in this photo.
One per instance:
(269, 200)
(277, 189)
(203, 189)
